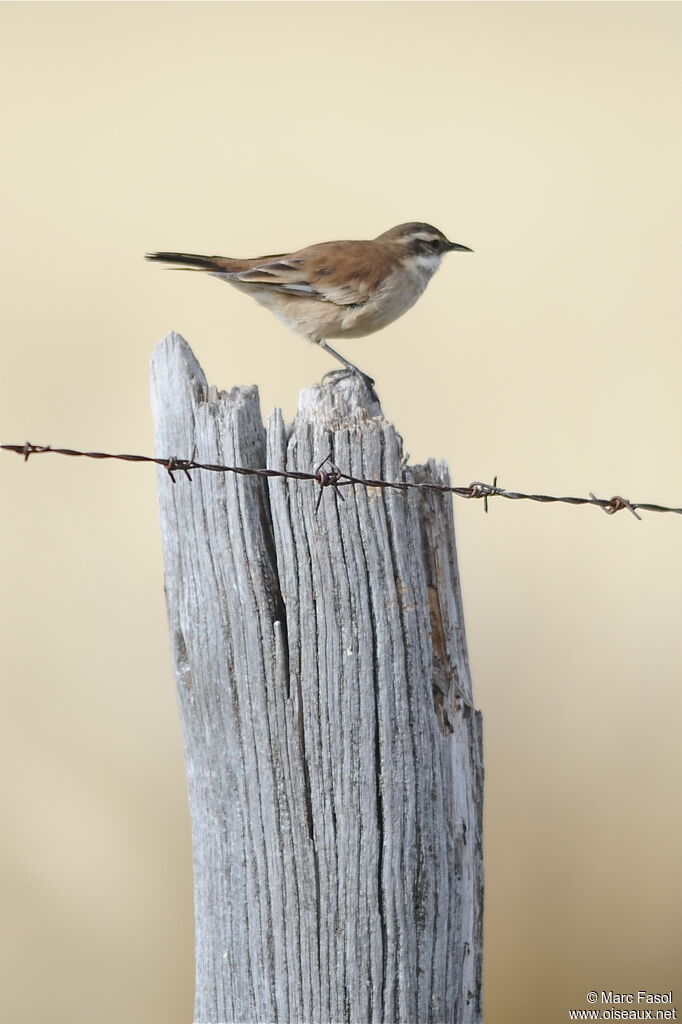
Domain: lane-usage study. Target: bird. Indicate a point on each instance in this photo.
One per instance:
(344, 289)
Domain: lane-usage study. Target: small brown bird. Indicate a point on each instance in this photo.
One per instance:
(335, 289)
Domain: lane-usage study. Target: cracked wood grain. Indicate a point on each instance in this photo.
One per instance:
(332, 746)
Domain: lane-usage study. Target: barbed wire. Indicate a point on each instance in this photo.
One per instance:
(328, 475)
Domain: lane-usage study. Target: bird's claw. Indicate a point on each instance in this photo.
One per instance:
(339, 374)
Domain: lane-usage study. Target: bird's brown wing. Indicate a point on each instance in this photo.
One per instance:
(343, 273)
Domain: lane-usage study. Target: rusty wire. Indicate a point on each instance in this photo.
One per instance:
(328, 475)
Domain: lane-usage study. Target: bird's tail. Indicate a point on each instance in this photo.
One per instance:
(190, 261)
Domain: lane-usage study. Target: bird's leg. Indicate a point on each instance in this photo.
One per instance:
(349, 366)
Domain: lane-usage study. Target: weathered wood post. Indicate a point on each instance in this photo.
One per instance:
(333, 749)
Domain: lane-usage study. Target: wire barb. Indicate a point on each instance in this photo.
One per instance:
(334, 478)
(481, 490)
(615, 504)
(328, 478)
(175, 465)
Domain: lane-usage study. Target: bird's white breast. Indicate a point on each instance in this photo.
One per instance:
(397, 293)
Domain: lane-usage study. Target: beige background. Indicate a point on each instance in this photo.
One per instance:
(545, 136)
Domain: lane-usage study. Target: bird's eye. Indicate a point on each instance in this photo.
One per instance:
(435, 243)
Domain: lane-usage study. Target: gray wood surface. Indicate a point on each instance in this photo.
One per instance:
(333, 751)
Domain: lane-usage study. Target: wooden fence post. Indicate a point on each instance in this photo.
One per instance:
(333, 750)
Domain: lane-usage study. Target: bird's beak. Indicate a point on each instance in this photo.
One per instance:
(452, 246)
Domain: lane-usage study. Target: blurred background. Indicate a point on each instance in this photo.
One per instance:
(544, 136)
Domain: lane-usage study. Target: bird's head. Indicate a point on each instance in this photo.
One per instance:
(422, 244)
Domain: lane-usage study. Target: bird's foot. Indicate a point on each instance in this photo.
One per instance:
(368, 381)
